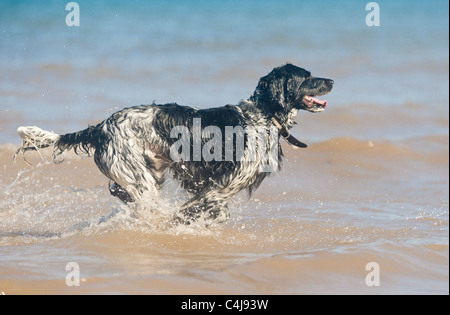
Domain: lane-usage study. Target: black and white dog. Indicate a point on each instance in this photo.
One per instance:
(139, 147)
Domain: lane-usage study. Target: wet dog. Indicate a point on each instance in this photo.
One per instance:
(137, 148)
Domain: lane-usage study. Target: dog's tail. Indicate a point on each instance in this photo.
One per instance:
(34, 138)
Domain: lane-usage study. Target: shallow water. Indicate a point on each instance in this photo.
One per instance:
(371, 187)
(311, 229)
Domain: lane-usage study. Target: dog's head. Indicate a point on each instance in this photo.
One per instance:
(290, 87)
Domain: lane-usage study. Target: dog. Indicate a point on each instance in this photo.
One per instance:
(134, 147)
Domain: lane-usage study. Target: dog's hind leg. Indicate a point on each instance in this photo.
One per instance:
(136, 171)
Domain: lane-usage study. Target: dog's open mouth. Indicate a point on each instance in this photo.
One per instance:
(314, 104)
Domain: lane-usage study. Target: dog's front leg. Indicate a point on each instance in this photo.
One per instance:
(117, 191)
(206, 206)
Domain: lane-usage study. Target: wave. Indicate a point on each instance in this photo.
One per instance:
(403, 270)
(432, 150)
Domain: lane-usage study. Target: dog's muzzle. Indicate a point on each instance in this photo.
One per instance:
(314, 104)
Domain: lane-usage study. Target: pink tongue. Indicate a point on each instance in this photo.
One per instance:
(316, 100)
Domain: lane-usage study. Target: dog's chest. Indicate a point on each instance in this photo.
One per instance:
(291, 118)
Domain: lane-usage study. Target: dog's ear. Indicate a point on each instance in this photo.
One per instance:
(270, 92)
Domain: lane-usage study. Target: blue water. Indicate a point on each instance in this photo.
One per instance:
(211, 53)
